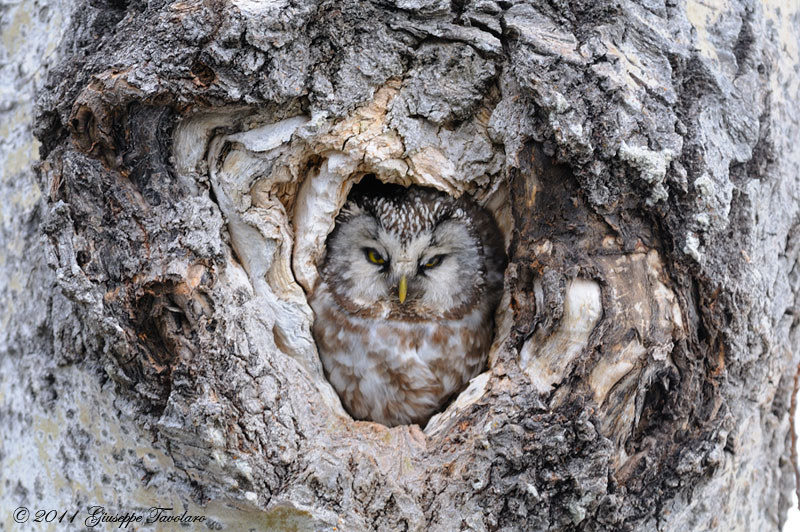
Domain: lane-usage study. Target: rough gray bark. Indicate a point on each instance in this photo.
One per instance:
(641, 158)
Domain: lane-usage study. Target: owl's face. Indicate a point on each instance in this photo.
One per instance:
(409, 253)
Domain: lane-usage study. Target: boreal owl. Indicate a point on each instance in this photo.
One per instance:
(404, 305)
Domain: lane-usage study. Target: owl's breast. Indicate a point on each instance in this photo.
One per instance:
(397, 372)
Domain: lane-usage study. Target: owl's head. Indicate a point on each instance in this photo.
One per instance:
(412, 253)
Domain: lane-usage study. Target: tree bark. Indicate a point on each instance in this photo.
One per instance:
(640, 157)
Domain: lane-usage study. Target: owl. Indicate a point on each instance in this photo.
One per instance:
(404, 305)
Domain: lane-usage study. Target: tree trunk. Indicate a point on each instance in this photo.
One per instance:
(641, 159)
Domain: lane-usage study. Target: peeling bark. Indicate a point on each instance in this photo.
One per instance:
(640, 161)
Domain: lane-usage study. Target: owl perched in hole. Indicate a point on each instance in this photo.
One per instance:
(404, 306)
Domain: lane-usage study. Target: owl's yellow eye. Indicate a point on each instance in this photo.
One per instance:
(433, 262)
(374, 257)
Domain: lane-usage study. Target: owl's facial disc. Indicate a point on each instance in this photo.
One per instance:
(401, 263)
(430, 273)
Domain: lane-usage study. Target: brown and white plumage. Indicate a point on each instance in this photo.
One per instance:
(408, 287)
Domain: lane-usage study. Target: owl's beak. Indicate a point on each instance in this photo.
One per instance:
(402, 289)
